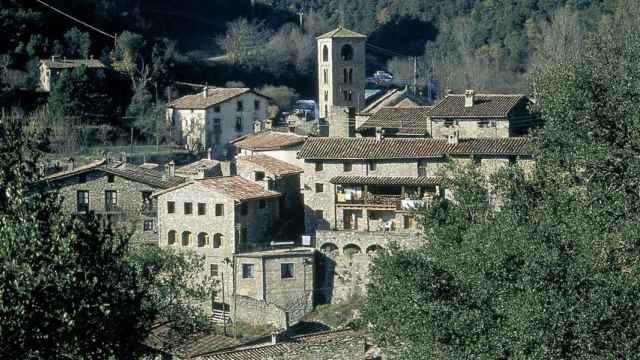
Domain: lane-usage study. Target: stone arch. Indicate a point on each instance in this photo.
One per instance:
(203, 239)
(217, 241)
(171, 237)
(186, 237)
(351, 249)
(373, 249)
(328, 248)
(346, 52)
(325, 53)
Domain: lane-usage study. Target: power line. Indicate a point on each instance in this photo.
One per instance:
(77, 20)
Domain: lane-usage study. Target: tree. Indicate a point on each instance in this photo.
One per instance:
(129, 49)
(72, 288)
(552, 273)
(283, 96)
(77, 43)
(244, 42)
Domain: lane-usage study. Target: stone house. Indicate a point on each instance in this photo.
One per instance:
(231, 222)
(215, 117)
(466, 115)
(280, 176)
(283, 146)
(394, 98)
(119, 193)
(50, 70)
(372, 184)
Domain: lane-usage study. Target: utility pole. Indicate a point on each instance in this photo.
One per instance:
(415, 75)
(224, 306)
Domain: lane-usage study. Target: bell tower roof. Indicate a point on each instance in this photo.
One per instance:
(341, 32)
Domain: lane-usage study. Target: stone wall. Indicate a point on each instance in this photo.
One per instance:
(259, 313)
(343, 267)
(471, 128)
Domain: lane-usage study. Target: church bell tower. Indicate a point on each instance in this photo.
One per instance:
(341, 79)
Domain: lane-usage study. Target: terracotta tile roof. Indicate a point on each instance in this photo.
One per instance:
(78, 170)
(327, 148)
(485, 105)
(387, 180)
(257, 353)
(72, 63)
(295, 343)
(269, 140)
(214, 96)
(272, 165)
(194, 346)
(341, 32)
(192, 168)
(392, 98)
(152, 178)
(237, 188)
(413, 120)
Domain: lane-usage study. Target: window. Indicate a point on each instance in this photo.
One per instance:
(325, 53)
(259, 175)
(372, 166)
(171, 237)
(217, 130)
(186, 237)
(319, 166)
(349, 95)
(238, 124)
(326, 98)
(319, 187)
(244, 209)
(147, 202)
(219, 209)
(171, 207)
(319, 214)
(344, 75)
(147, 225)
(248, 271)
(243, 235)
(256, 105)
(217, 241)
(213, 270)
(216, 108)
(271, 184)
(286, 271)
(350, 76)
(111, 178)
(202, 208)
(203, 239)
(513, 160)
(346, 53)
(262, 204)
(448, 122)
(326, 76)
(346, 167)
(188, 208)
(110, 200)
(82, 178)
(477, 161)
(240, 105)
(82, 201)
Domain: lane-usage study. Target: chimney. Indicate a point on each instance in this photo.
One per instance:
(123, 157)
(202, 170)
(205, 91)
(274, 338)
(453, 138)
(268, 124)
(379, 133)
(72, 164)
(209, 154)
(172, 168)
(257, 126)
(469, 97)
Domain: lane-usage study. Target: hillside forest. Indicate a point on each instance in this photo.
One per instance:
(488, 45)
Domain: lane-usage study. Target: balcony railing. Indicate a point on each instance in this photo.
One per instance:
(396, 202)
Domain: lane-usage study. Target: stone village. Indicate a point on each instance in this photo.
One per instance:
(288, 218)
